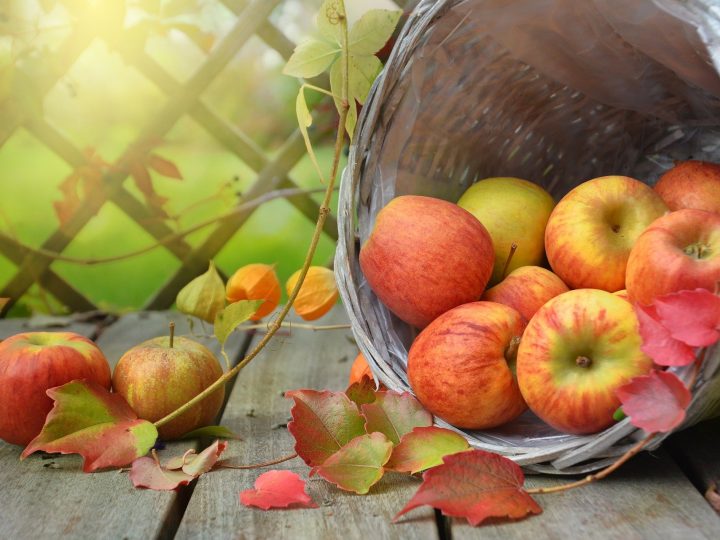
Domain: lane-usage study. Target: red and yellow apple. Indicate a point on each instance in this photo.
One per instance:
(678, 251)
(513, 211)
(461, 366)
(575, 352)
(425, 256)
(526, 289)
(593, 228)
(32, 362)
(691, 184)
(159, 375)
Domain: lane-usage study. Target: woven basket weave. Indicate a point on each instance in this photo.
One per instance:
(554, 91)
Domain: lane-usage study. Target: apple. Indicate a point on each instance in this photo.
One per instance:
(32, 362)
(425, 256)
(691, 184)
(461, 366)
(593, 228)
(575, 352)
(526, 289)
(513, 211)
(161, 374)
(678, 251)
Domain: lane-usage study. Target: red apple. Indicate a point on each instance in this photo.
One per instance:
(679, 251)
(593, 228)
(32, 362)
(159, 375)
(575, 352)
(691, 184)
(526, 289)
(426, 256)
(461, 366)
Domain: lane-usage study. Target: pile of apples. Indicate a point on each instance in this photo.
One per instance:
(501, 333)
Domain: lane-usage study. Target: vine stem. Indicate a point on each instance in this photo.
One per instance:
(275, 325)
(258, 465)
(302, 326)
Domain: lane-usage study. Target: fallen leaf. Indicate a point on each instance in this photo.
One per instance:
(221, 432)
(277, 489)
(475, 485)
(358, 465)
(655, 402)
(362, 391)
(322, 423)
(692, 317)
(148, 473)
(88, 420)
(205, 460)
(425, 447)
(394, 414)
(658, 343)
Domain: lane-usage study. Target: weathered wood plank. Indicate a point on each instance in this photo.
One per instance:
(256, 408)
(648, 498)
(42, 323)
(50, 497)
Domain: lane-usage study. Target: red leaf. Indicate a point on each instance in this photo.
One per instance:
(164, 167)
(658, 343)
(655, 402)
(358, 465)
(425, 447)
(323, 422)
(88, 420)
(475, 485)
(395, 414)
(362, 391)
(146, 472)
(277, 489)
(692, 317)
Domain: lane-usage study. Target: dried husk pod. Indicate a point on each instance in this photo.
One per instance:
(204, 296)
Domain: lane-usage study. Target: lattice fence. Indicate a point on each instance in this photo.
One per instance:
(183, 99)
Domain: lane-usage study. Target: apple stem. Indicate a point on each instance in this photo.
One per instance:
(512, 350)
(172, 333)
(583, 361)
(513, 248)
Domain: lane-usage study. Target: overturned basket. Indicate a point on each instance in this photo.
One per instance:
(556, 92)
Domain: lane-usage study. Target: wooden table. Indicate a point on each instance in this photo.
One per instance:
(655, 496)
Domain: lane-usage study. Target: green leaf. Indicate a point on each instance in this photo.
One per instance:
(233, 315)
(363, 72)
(305, 121)
(351, 119)
(370, 33)
(220, 432)
(204, 296)
(425, 447)
(394, 414)
(311, 58)
(328, 20)
(359, 464)
(88, 420)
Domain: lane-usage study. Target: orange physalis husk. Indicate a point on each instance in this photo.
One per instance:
(255, 282)
(318, 293)
(359, 369)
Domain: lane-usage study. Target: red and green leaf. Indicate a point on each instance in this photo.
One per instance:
(476, 485)
(425, 447)
(358, 465)
(361, 392)
(658, 343)
(394, 414)
(88, 420)
(692, 317)
(277, 489)
(147, 472)
(322, 423)
(655, 402)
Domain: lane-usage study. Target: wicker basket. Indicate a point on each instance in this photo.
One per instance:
(555, 91)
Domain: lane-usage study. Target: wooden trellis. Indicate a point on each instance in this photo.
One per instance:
(252, 18)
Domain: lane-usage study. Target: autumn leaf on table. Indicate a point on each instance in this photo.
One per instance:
(358, 465)
(322, 423)
(658, 343)
(475, 485)
(655, 402)
(196, 464)
(394, 414)
(425, 447)
(277, 489)
(88, 420)
(692, 317)
(361, 392)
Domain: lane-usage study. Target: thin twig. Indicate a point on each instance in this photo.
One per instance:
(228, 465)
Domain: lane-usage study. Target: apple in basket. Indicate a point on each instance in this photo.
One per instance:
(593, 228)
(691, 184)
(575, 352)
(462, 365)
(678, 251)
(425, 256)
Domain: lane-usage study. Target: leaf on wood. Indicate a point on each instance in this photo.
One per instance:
(370, 33)
(361, 392)
(88, 420)
(425, 447)
(655, 402)
(147, 472)
(394, 414)
(692, 317)
(713, 497)
(310, 58)
(201, 463)
(233, 315)
(658, 343)
(164, 167)
(475, 485)
(322, 423)
(221, 432)
(358, 465)
(204, 296)
(278, 489)
(3, 303)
